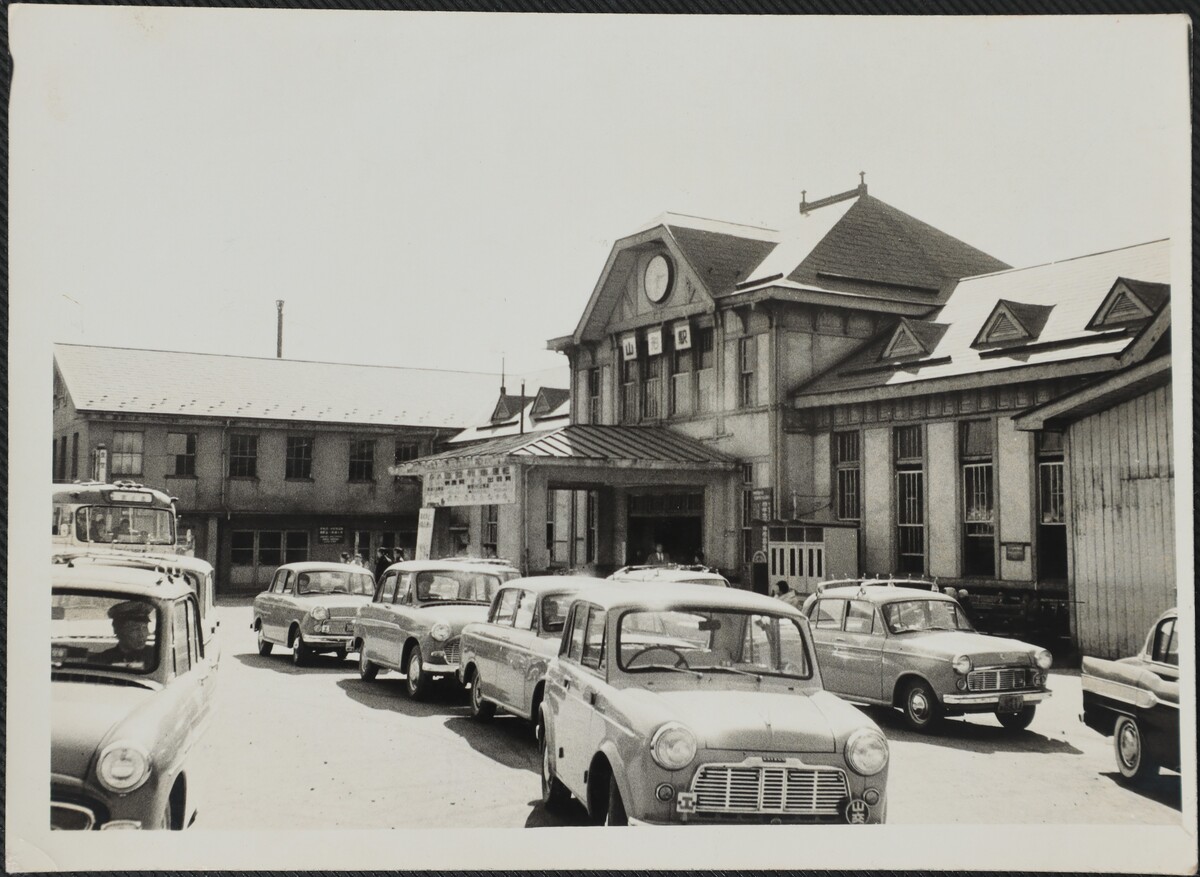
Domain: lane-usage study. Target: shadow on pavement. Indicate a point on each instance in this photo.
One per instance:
(389, 693)
(956, 733)
(506, 740)
(572, 814)
(1165, 788)
(281, 662)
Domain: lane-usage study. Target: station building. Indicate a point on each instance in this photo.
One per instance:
(856, 393)
(271, 460)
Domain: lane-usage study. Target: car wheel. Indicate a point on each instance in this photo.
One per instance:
(615, 815)
(1130, 750)
(1017, 721)
(264, 646)
(367, 669)
(168, 816)
(921, 708)
(480, 708)
(340, 655)
(416, 681)
(300, 651)
(554, 793)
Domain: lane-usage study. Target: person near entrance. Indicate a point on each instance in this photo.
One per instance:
(382, 562)
(658, 556)
(787, 595)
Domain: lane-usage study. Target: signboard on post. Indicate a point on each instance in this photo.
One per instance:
(425, 533)
(654, 342)
(762, 499)
(471, 485)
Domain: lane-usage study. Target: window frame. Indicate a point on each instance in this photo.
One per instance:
(131, 462)
(747, 371)
(847, 474)
(361, 453)
(243, 455)
(185, 463)
(298, 452)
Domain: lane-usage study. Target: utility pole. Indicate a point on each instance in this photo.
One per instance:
(279, 329)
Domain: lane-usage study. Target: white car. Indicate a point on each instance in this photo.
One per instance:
(676, 573)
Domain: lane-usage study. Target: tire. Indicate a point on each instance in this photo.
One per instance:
(1129, 747)
(264, 645)
(367, 669)
(1017, 721)
(300, 652)
(481, 709)
(168, 817)
(615, 814)
(417, 682)
(554, 794)
(922, 712)
(340, 655)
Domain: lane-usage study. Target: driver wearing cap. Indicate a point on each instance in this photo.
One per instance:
(131, 624)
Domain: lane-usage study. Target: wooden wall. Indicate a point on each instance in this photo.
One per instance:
(1122, 530)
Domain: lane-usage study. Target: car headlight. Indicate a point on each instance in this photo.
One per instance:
(673, 746)
(962, 664)
(440, 632)
(867, 751)
(320, 613)
(123, 766)
(1043, 659)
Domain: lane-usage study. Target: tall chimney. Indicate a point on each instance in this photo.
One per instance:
(522, 408)
(279, 329)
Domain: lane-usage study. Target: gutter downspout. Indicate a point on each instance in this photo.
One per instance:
(225, 465)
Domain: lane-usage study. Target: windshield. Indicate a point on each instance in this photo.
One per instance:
(707, 640)
(924, 615)
(440, 586)
(121, 524)
(105, 632)
(335, 582)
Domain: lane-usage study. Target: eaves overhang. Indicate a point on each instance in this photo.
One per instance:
(1006, 375)
(1096, 396)
(789, 291)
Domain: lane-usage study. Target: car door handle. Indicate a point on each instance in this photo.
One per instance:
(591, 698)
(566, 683)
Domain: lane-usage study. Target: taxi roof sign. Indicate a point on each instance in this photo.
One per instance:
(130, 496)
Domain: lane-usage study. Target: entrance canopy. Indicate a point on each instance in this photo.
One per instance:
(632, 447)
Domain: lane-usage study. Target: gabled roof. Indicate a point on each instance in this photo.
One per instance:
(913, 338)
(508, 406)
(862, 243)
(594, 444)
(1130, 301)
(1012, 322)
(550, 408)
(1068, 292)
(159, 382)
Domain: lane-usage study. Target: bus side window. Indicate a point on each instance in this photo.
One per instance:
(81, 525)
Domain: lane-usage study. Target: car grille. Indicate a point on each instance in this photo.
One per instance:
(737, 788)
(70, 817)
(453, 650)
(343, 612)
(1000, 679)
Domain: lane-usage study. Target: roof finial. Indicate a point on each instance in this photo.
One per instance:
(804, 200)
(502, 392)
(862, 180)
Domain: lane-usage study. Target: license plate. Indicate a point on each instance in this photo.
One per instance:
(1011, 703)
(685, 802)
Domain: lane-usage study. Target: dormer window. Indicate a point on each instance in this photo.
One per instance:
(913, 338)
(1129, 301)
(1012, 322)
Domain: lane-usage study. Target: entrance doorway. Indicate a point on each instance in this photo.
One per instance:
(673, 520)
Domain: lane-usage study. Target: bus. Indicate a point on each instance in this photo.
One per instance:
(122, 516)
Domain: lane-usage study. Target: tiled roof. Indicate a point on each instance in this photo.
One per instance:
(592, 442)
(161, 382)
(722, 260)
(1075, 288)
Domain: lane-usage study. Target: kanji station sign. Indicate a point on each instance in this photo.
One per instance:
(473, 485)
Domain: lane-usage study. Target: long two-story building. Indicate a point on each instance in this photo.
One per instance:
(272, 460)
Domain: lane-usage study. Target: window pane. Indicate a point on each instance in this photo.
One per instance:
(829, 613)
(297, 546)
(976, 438)
(298, 463)
(242, 553)
(270, 548)
(524, 618)
(243, 456)
(362, 460)
(126, 454)
(593, 643)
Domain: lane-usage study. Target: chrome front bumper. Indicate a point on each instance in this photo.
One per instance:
(330, 642)
(992, 698)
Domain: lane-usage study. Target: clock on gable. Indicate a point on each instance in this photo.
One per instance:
(658, 278)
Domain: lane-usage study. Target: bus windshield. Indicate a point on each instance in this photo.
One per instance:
(124, 525)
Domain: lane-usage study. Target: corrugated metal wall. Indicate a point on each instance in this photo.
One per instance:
(1122, 523)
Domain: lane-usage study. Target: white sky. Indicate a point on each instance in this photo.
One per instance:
(443, 189)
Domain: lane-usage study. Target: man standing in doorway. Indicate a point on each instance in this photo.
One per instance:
(659, 556)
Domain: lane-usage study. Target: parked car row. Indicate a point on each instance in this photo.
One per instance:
(653, 700)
